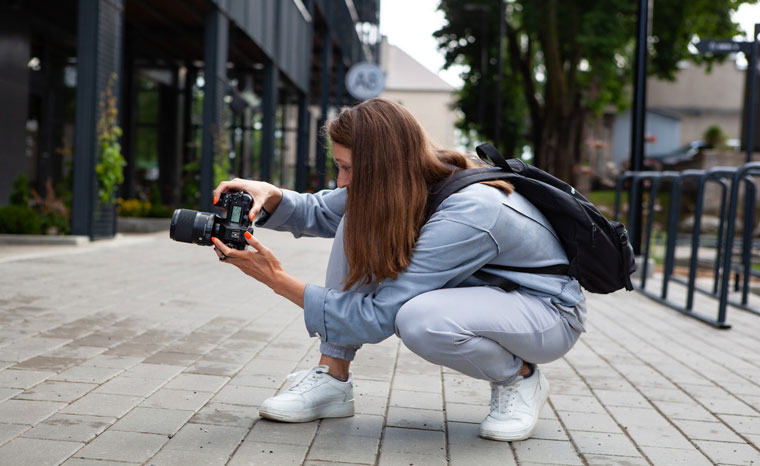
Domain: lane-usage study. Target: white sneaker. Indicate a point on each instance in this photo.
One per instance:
(314, 394)
(515, 408)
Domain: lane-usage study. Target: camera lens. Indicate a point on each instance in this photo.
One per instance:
(191, 226)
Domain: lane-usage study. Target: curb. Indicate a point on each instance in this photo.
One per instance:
(65, 240)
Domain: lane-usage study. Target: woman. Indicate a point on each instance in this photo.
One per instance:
(391, 271)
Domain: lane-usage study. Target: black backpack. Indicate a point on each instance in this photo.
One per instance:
(600, 256)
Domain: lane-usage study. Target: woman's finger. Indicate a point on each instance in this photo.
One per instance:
(224, 249)
(256, 244)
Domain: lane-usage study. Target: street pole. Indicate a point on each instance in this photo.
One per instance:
(638, 118)
(500, 66)
(752, 70)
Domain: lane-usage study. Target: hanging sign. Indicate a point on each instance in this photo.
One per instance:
(365, 80)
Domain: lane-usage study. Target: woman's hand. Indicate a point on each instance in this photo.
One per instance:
(261, 264)
(264, 194)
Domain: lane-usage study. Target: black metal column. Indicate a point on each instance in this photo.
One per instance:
(215, 79)
(752, 60)
(246, 146)
(340, 84)
(638, 116)
(99, 50)
(304, 136)
(321, 162)
(499, 72)
(268, 119)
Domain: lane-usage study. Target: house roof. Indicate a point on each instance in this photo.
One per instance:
(404, 73)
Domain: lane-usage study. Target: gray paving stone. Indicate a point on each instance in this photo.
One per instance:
(153, 421)
(546, 452)
(630, 399)
(123, 446)
(729, 453)
(359, 425)
(241, 395)
(458, 412)
(419, 446)
(603, 443)
(576, 404)
(10, 431)
(136, 386)
(743, 424)
(374, 405)
(154, 371)
(218, 368)
(549, 429)
(70, 427)
(591, 422)
(608, 460)
(466, 447)
(221, 414)
(344, 448)
(100, 404)
(8, 393)
(11, 378)
(27, 412)
(686, 411)
(86, 462)
(187, 458)
(283, 433)
(365, 387)
(56, 391)
(205, 437)
(114, 361)
(199, 382)
(418, 400)
(185, 400)
(251, 453)
(660, 456)
(87, 374)
(425, 419)
(37, 452)
(700, 430)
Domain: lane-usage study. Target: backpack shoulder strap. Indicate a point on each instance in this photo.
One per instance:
(459, 180)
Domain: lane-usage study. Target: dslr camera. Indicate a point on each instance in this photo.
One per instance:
(191, 226)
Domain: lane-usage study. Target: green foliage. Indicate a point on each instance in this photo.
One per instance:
(564, 61)
(110, 169)
(714, 137)
(21, 195)
(16, 219)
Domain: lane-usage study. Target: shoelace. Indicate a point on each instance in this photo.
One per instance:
(304, 380)
(503, 398)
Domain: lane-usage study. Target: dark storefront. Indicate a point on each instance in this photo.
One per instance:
(204, 89)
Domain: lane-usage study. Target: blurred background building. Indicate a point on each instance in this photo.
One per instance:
(428, 97)
(202, 89)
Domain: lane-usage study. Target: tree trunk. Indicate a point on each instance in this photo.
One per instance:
(559, 147)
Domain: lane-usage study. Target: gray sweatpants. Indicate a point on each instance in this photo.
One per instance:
(484, 332)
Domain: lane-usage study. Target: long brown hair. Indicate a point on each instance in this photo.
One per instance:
(393, 164)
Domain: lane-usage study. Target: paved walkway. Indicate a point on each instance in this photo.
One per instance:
(146, 351)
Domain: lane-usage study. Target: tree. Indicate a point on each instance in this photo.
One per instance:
(566, 61)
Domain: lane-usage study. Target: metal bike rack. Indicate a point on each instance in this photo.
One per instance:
(723, 265)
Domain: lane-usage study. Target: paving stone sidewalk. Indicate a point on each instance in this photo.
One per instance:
(146, 351)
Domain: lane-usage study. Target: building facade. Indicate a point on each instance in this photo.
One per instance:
(203, 89)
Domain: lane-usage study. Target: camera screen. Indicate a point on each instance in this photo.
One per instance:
(236, 211)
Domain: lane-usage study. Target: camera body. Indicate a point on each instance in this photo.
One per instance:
(191, 226)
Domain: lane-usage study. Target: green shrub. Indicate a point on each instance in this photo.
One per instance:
(21, 194)
(17, 219)
(55, 224)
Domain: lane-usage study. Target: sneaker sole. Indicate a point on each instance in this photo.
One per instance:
(340, 409)
(522, 434)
